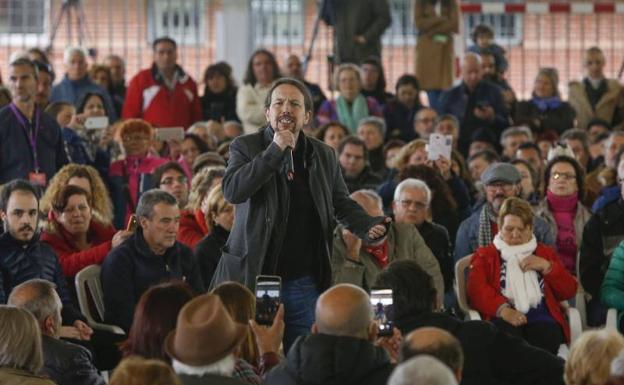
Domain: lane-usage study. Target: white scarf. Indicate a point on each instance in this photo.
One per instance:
(522, 288)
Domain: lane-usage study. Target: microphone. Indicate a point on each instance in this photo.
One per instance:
(290, 164)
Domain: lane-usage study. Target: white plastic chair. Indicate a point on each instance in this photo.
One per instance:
(612, 319)
(90, 295)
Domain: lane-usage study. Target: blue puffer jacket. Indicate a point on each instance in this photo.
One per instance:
(21, 261)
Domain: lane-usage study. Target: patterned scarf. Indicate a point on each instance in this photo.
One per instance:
(351, 117)
(485, 225)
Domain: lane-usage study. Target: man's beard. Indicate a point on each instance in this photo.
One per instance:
(9, 229)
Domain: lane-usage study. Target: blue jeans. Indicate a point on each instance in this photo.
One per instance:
(299, 297)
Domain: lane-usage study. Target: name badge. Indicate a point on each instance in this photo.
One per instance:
(37, 178)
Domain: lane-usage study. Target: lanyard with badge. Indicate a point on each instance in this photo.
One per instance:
(35, 176)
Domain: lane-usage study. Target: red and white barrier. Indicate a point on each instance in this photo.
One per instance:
(577, 8)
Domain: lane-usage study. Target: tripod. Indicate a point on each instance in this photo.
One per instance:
(66, 11)
(323, 12)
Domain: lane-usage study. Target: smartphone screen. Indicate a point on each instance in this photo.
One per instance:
(96, 122)
(268, 298)
(381, 300)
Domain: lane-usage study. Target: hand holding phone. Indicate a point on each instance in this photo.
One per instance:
(132, 223)
(381, 301)
(268, 298)
(439, 146)
(165, 134)
(96, 122)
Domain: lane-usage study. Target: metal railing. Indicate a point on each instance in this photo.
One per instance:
(535, 34)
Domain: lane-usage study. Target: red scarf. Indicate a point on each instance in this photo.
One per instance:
(380, 253)
(200, 218)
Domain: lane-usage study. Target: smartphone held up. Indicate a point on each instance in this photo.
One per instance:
(383, 314)
(268, 298)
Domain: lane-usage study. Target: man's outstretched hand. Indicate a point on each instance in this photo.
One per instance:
(377, 232)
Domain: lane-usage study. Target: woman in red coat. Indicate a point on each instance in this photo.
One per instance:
(76, 237)
(519, 284)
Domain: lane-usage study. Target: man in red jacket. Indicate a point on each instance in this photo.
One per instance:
(164, 94)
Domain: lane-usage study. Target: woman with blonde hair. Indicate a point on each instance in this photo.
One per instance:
(590, 358)
(89, 180)
(140, 371)
(220, 220)
(21, 354)
(351, 105)
(193, 225)
(545, 112)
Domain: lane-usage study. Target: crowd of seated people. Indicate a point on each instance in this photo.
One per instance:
(530, 190)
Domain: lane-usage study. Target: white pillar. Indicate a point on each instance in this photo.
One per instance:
(233, 35)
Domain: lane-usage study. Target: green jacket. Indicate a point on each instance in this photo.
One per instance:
(612, 291)
(21, 377)
(404, 242)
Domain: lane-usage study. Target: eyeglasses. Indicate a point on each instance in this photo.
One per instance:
(134, 138)
(171, 180)
(409, 203)
(563, 175)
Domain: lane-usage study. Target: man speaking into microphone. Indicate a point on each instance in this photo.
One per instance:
(284, 226)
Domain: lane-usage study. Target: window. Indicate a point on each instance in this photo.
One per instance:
(507, 26)
(181, 20)
(402, 30)
(23, 17)
(277, 22)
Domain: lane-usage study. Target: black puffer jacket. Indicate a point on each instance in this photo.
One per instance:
(321, 359)
(21, 261)
(68, 364)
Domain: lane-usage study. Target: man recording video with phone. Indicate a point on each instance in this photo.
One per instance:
(288, 191)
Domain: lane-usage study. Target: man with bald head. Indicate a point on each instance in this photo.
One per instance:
(294, 69)
(341, 349)
(359, 264)
(475, 102)
(437, 343)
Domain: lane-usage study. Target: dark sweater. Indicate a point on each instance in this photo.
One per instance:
(208, 252)
(299, 255)
(437, 239)
(16, 156)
